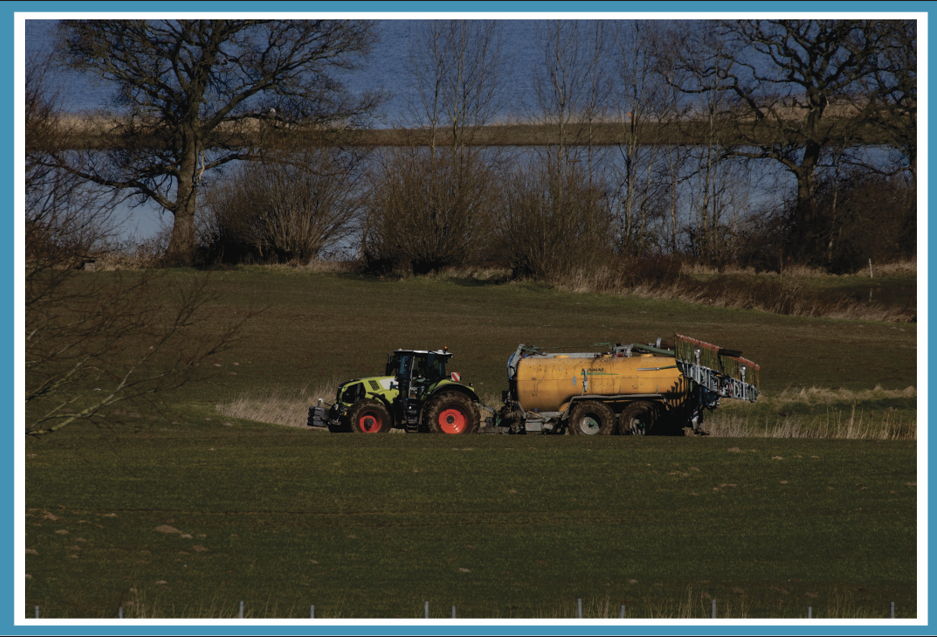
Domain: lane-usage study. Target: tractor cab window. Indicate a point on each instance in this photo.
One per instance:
(437, 365)
(417, 365)
(402, 363)
(430, 366)
(419, 368)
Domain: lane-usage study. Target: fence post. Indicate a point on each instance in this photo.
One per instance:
(37, 612)
(426, 610)
(312, 611)
(622, 616)
(120, 613)
(453, 611)
(579, 607)
(241, 612)
(892, 610)
(810, 612)
(714, 609)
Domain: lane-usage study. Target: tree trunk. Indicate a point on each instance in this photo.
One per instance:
(182, 245)
(805, 217)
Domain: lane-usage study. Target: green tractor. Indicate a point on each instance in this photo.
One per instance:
(415, 394)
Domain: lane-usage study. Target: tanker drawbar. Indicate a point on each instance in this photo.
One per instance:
(636, 389)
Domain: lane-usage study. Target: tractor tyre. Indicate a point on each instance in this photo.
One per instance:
(640, 418)
(451, 413)
(591, 418)
(369, 417)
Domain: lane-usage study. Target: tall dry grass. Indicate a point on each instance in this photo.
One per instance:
(836, 424)
(768, 294)
(279, 406)
(151, 604)
(693, 604)
(902, 266)
(856, 422)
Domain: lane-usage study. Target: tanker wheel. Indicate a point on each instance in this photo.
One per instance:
(639, 419)
(369, 417)
(591, 418)
(451, 413)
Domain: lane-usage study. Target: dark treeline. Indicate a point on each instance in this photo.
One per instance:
(751, 143)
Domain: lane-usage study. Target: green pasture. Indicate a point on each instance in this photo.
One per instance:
(499, 526)
(321, 327)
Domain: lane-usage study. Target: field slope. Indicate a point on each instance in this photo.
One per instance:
(499, 526)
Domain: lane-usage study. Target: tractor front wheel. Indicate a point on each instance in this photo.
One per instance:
(369, 417)
(451, 413)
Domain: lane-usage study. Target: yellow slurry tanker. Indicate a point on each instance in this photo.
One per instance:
(635, 389)
(631, 389)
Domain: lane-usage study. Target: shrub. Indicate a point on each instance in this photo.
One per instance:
(866, 216)
(428, 210)
(552, 223)
(286, 208)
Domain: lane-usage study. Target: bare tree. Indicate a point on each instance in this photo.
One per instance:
(458, 73)
(92, 340)
(893, 89)
(788, 75)
(431, 208)
(703, 60)
(187, 88)
(572, 88)
(647, 165)
(554, 217)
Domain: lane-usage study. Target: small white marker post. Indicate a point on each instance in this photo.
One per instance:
(426, 610)
(241, 611)
(453, 611)
(312, 611)
(714, 609)
(579, 607)
(622, 615)
(810, 612)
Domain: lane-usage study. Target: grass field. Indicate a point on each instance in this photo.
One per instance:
(500, 526)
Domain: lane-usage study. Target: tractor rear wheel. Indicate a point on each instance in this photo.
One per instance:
(640, 418)
(451, 413)
(591, 418)
(369, 417)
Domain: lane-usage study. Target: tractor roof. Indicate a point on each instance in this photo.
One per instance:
(438, 352)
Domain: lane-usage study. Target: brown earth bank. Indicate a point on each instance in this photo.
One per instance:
(92, 132)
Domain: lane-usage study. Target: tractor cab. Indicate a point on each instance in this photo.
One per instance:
(413, 369)
(416, 373)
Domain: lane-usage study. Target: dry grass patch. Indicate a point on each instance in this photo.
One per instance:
(278, 406)
(771, 295)
(835, 425)
(903, 266)
(817, 395)
(848, 415)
